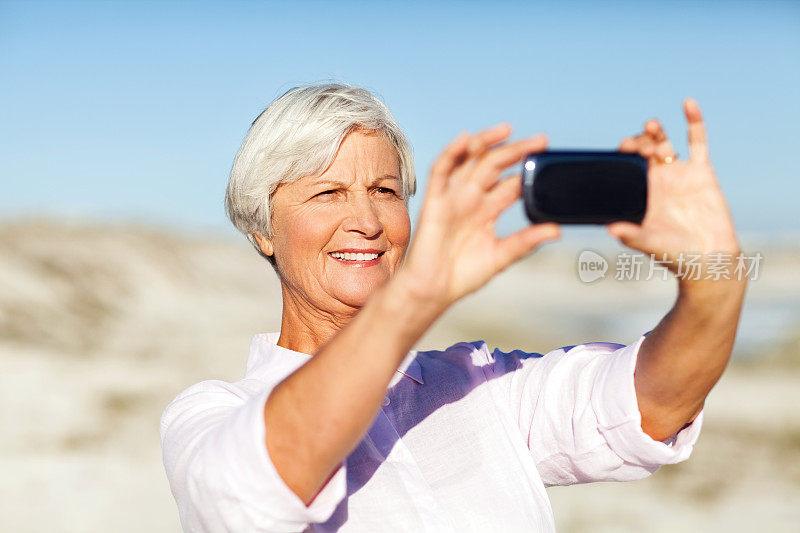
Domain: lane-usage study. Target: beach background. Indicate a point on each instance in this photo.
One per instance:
(121, 283)
(101, 326)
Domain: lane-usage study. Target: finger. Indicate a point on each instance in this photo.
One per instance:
(653, 128)
(501, 196)
(489, 168)
(522, 242)
(450, 157)
(642, 144)
(653, 144)
(479, 145)
(663, 146)
(627, 232)
(481, 141)
(698, 142)
(628, 145)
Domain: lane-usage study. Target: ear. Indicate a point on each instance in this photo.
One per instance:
(264, 243)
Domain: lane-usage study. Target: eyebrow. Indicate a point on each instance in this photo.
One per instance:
(342, 184)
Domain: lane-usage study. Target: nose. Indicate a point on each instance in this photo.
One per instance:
(362, 217)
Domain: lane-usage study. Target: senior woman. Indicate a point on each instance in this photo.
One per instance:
(339, 425)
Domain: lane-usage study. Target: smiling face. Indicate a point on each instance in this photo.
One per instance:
(340, 235)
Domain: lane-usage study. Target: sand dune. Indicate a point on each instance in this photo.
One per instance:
(100, 327)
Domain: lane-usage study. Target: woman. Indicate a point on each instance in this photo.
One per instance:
(337, 425)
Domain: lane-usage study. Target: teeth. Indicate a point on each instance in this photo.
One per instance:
(349, 256)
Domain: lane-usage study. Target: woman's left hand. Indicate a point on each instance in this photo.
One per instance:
(686, 210)
(682, 359)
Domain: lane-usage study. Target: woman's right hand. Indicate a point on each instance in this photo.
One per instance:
(455, 249)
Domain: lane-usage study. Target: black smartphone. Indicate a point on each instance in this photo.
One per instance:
(584, 187)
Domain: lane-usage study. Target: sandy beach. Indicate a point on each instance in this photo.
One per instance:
(100, 327)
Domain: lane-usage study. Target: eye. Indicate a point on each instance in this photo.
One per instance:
(386, 190)
(326, 193)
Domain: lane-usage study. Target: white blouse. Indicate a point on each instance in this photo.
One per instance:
(466, 440)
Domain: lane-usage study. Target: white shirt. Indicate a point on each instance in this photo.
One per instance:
(466, 440)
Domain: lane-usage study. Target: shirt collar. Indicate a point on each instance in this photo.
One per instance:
(264, 350)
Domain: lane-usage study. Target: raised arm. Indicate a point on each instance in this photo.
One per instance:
(682, 359)
(317, 415)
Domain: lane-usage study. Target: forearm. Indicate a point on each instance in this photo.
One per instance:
(682, 359)
(316, 416)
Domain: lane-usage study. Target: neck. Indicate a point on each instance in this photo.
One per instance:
(305, 327)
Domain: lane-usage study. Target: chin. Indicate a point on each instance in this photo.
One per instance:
(355, 293)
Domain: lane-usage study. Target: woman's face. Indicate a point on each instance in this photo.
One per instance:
(340, 235)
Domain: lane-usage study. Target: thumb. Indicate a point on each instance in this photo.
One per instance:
(517, 245)
(626, 232)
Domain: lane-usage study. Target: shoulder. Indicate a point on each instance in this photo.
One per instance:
(218, 389)
(458, 353)
(474, 357)
(208, 397)
(479, 353)
(267, 365)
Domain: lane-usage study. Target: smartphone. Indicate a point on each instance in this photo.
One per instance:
(584, 187)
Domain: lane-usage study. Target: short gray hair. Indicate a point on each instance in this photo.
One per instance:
(298, 135)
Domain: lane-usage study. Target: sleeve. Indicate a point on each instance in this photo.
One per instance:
(219, 471)
(577, 408)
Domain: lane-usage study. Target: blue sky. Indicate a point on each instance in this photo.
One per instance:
(134, 110)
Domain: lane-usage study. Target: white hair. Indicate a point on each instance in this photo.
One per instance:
(298, 135)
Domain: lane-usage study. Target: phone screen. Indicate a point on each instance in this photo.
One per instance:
(585, 187)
